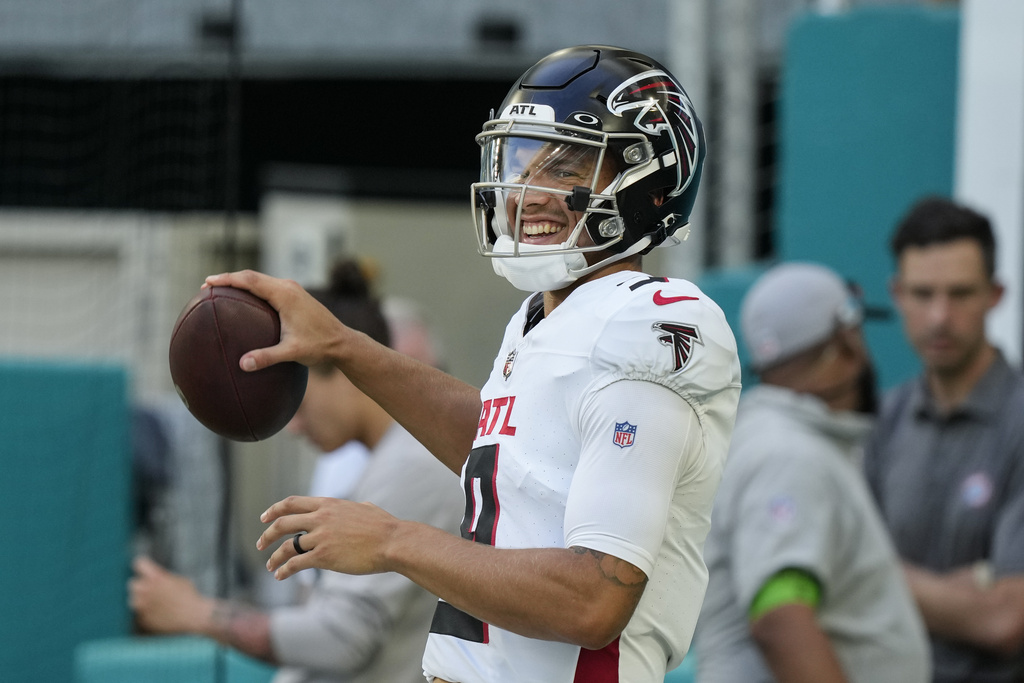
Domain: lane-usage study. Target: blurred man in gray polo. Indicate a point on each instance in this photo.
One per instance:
(805, 586)
(946, 462)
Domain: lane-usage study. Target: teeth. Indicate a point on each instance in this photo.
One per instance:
(541, 228)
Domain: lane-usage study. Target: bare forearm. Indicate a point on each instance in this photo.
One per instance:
(795, 647)
(956, 607)
(570, 595)
(441, 411)
(242, 628)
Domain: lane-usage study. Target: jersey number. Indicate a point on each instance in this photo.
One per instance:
(481, 499)
(478, 525)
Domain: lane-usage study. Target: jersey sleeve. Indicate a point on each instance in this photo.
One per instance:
(635, 435)
(686, 346)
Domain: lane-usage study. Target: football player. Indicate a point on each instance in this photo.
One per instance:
(591, 456)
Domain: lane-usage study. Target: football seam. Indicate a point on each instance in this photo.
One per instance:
(181, 323)
(224, 356)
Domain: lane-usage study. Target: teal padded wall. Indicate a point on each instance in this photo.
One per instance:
(727, 287)
(64, 498)
(866, 126)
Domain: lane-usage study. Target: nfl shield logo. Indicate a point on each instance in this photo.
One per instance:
(624, 433)
(509, 362)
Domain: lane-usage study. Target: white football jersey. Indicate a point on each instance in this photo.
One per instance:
(604, 425)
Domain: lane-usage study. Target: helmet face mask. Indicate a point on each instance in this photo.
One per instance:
(597, 149)
(540, 186)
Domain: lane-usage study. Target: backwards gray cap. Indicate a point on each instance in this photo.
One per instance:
(793, 307)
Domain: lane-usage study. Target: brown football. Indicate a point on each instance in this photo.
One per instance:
(214, 330)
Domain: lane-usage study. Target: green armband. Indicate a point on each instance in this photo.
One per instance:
(787, 587)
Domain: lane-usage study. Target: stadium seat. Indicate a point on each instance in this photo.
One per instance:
(165, 659)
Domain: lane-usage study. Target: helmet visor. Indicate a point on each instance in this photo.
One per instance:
(551, 164)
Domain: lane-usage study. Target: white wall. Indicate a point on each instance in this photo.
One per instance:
(990, 146)
(100, 286)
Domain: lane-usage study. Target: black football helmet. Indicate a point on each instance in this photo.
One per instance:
(598, 106)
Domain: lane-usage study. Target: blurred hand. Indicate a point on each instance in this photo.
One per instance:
(165, 602)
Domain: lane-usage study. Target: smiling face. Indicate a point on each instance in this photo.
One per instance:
(944, 294)
(545, 216)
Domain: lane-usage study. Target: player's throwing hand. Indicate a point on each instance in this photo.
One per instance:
(308, 329)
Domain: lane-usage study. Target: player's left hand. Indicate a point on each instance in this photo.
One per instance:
(341, 536)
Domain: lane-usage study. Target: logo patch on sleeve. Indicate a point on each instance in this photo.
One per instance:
(782, 509)
(624, 434)
(679, 337)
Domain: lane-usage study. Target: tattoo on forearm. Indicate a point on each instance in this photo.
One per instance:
(617, 571)
(243, 628)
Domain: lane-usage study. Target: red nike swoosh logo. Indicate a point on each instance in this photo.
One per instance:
(660, 300)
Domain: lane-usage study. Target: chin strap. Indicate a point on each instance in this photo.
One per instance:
(640, 247)
(666, 232)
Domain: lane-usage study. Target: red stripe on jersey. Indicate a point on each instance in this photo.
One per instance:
(598, 666)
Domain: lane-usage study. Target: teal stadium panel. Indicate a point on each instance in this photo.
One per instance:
(64, 499)
(866, 126)
(727, 287)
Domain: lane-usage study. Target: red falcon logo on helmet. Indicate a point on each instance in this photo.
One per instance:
(656, 96)
(680, 338)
